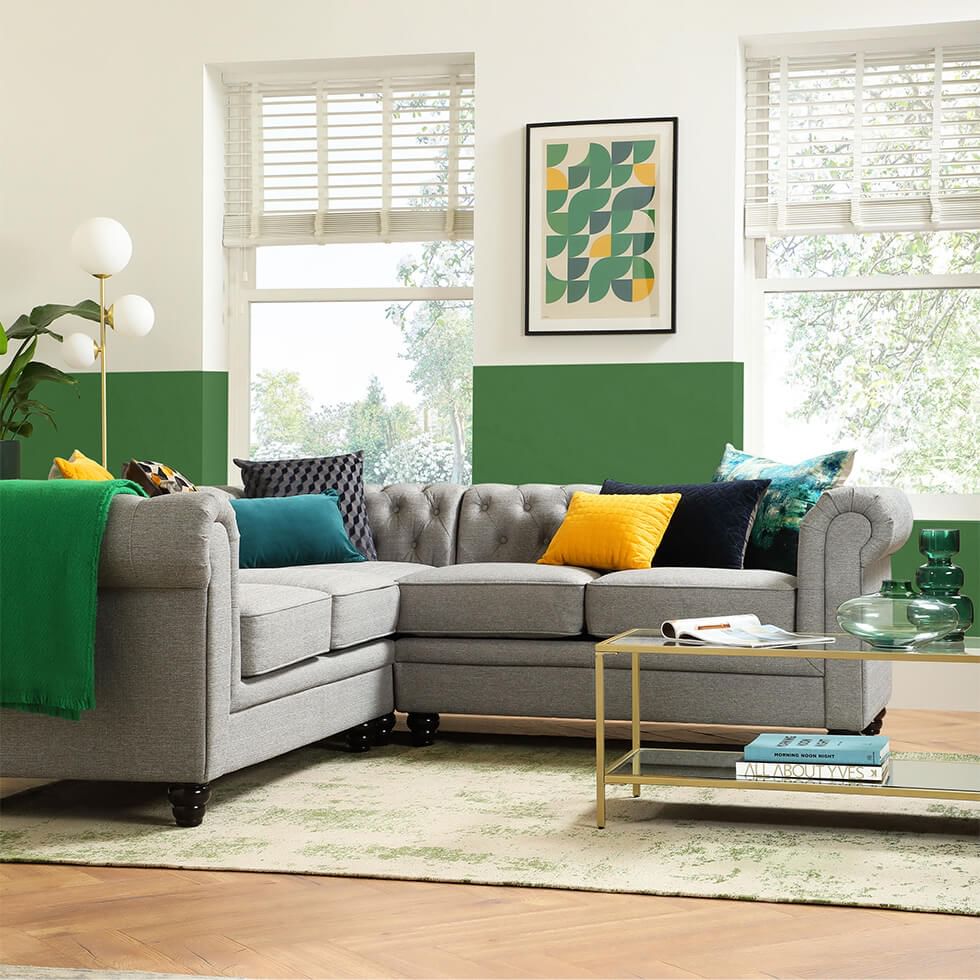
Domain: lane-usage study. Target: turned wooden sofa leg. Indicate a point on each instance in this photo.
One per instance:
(876, 724)
(189, 801)
(384, 726)
(874, 728)
(361, 737)
(423, 727)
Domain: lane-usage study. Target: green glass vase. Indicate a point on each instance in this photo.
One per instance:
(940, 579)
(896, 618)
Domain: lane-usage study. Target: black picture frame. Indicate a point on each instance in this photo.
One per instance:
(670, 324)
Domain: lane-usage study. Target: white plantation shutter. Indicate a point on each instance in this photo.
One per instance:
(869, 140)
(368, 159)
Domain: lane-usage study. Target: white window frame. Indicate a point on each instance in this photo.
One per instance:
(925, 506)
(243, 292)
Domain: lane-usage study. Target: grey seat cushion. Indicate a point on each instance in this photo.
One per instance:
(495, 599)
(645, 597)
(281, 625)
(363, 596)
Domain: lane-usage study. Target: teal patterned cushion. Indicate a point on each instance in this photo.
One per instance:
(793, 490)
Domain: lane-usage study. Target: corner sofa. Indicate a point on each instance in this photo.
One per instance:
(203, 668)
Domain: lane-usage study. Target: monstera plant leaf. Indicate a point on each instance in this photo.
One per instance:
(22, 406)
(38, 371)
(20, 377)
(41, 317)
(13, 371)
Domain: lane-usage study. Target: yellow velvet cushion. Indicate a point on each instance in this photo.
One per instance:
(611, 531)
(78, 467)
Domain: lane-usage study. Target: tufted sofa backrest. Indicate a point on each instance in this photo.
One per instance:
(415, 521)
(444, 524)
(504, 522)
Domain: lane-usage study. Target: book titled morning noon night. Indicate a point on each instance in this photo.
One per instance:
(847, 750)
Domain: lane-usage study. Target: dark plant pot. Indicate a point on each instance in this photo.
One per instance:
(9, 459)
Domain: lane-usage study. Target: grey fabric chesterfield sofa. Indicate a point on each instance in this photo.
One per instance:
(202, 668)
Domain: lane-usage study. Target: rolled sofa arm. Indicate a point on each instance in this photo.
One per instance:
(846, 543)
(167, 652)
(163, 542)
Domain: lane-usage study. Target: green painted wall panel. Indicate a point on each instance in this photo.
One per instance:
(583, 423)
(176, 417)
(662, 423)
(214, 423)
(907, 559)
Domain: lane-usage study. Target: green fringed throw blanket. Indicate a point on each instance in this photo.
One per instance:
(50, 540)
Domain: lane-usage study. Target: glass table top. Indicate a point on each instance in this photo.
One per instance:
(844, 647)
(952, 774)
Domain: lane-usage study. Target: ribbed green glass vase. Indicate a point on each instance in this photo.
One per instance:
(940, 579)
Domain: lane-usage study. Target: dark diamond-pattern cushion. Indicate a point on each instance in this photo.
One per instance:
(290, 477)
(712, 523)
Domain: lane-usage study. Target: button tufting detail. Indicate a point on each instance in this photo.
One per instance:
(503, 539)
(527, 506)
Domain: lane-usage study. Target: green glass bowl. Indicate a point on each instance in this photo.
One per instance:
(901, 623)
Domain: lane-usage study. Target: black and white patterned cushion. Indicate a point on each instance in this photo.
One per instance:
(289, 477)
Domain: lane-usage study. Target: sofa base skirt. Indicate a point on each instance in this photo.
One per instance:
(244, 738)
(274, 727)
(568, 692)
(556, 678)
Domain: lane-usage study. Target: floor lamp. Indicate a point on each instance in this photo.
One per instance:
(102, 247)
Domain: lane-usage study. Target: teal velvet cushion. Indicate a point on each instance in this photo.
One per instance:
(793, 490)
(307, 529)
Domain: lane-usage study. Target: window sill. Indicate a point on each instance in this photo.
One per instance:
(945, 506)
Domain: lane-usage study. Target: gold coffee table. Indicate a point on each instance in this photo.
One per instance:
(940, 779)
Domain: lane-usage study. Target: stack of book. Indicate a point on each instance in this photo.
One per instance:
(816, 759)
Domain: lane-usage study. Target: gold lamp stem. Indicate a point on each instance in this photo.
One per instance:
(102, 358)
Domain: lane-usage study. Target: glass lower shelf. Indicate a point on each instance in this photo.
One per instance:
(950, 778)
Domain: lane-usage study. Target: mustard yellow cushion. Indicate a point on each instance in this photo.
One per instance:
(611, 532)
(78, 467)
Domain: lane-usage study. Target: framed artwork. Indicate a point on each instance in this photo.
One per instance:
(601, 216)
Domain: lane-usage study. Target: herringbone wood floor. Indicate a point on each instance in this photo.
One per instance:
(272, 925)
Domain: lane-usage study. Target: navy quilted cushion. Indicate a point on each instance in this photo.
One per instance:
(711, 525)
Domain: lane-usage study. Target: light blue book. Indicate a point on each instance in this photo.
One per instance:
(848, 750)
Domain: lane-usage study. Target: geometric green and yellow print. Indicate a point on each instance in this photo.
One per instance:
(600, 257)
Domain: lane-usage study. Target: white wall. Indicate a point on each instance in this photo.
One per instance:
(105, 111)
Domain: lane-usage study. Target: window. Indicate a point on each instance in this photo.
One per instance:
(349, 215)
(321, 158)
(863, 215)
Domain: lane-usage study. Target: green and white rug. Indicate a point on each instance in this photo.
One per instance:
(519, 812)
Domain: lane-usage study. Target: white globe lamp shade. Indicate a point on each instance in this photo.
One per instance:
(132, 315)
(79, 350)
(101, 246)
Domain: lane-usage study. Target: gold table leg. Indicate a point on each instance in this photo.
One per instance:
(600, 745)
(635, 718)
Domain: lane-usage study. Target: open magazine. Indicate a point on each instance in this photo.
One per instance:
(736, 631)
